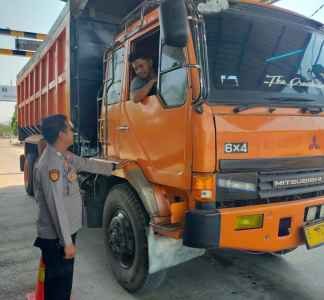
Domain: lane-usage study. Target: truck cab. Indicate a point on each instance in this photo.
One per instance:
(231, 142)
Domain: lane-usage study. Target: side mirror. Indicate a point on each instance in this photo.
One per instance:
(174, 23)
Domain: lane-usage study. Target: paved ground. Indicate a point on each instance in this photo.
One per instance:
(219, 275)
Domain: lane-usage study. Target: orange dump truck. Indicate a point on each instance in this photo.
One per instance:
(229, 152)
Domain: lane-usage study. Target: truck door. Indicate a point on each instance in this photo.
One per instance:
(158, 130)
(108, 131)
(112, 101)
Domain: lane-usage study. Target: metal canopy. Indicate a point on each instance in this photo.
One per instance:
(118, 9)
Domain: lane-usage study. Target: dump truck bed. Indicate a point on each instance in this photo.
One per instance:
(65, 74)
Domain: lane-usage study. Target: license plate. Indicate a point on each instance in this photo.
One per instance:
(314, 234)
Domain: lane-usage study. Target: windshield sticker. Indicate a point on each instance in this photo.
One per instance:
(230, 79)
(285, 55)
(273, 80)
(213, 6)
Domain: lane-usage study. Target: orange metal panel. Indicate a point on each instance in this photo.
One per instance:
(37, 118)
(19, 88)
(37, 83)
(61, 52)
(31, 83)
(26, 89)
(47, 60)
(51, 102)
(32, 113)
(19, 117)
(22, 117)
(27, 114)
(23, 90)
(178, 210)
(18, 93)
(51, 63)
(56, 45)
(204, 138)
(44, 72)
(62, 101)
(43, 106)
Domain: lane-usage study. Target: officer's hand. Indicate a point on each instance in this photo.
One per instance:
(121, 164)
(70, 251)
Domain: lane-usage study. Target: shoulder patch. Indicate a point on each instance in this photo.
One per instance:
(54, 175)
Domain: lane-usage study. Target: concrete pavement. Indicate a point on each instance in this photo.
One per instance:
(219, 275)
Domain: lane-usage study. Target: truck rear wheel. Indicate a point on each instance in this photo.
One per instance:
(28, 173)
(125, 223)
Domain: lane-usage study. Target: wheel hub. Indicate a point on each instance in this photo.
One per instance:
(121, 239)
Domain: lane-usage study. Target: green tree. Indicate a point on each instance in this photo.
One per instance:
(14, 123)
(4, 130)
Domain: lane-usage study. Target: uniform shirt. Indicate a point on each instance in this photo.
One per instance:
(58, 195)
(138, 83)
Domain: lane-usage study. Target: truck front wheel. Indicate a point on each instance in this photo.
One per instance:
(125, 223)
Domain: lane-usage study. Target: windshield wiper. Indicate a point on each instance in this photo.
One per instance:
(313, 109)
(290, 99)
(244, 107)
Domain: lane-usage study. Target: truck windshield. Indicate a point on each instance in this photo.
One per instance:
(253, 57)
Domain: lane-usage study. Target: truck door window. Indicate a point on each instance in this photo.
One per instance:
(146, 46)
(115, 76)
(173, 77)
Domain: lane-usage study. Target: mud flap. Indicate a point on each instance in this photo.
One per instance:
(167, 252)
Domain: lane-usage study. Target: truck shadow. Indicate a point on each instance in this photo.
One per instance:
(217, 275)
(233, 275)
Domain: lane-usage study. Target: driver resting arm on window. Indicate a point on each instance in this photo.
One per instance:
(144, 83)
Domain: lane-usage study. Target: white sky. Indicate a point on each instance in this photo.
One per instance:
(39, 15)
(26, 15)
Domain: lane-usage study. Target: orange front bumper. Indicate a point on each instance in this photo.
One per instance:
(265, 239)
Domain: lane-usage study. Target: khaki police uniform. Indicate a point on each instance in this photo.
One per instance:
(60, 214)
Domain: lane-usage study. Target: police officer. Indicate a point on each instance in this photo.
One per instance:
(60, 206)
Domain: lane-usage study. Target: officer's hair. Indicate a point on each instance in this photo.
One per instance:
(52, 126)
(137, 55)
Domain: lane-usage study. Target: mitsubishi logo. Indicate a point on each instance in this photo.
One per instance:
(314, 145)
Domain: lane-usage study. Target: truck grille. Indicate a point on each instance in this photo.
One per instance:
(283, 184)
(275, 180)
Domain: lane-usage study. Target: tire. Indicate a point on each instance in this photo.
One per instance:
(284, 252)
(125, 223)
(28, 173)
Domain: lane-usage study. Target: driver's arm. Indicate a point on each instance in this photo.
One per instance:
(138, 94)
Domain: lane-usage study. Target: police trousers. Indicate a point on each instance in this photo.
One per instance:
(58, 270)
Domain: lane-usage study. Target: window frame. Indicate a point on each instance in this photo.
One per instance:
(131, 42)
(109, 82)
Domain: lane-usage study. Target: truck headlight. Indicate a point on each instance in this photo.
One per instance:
(236, 185)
